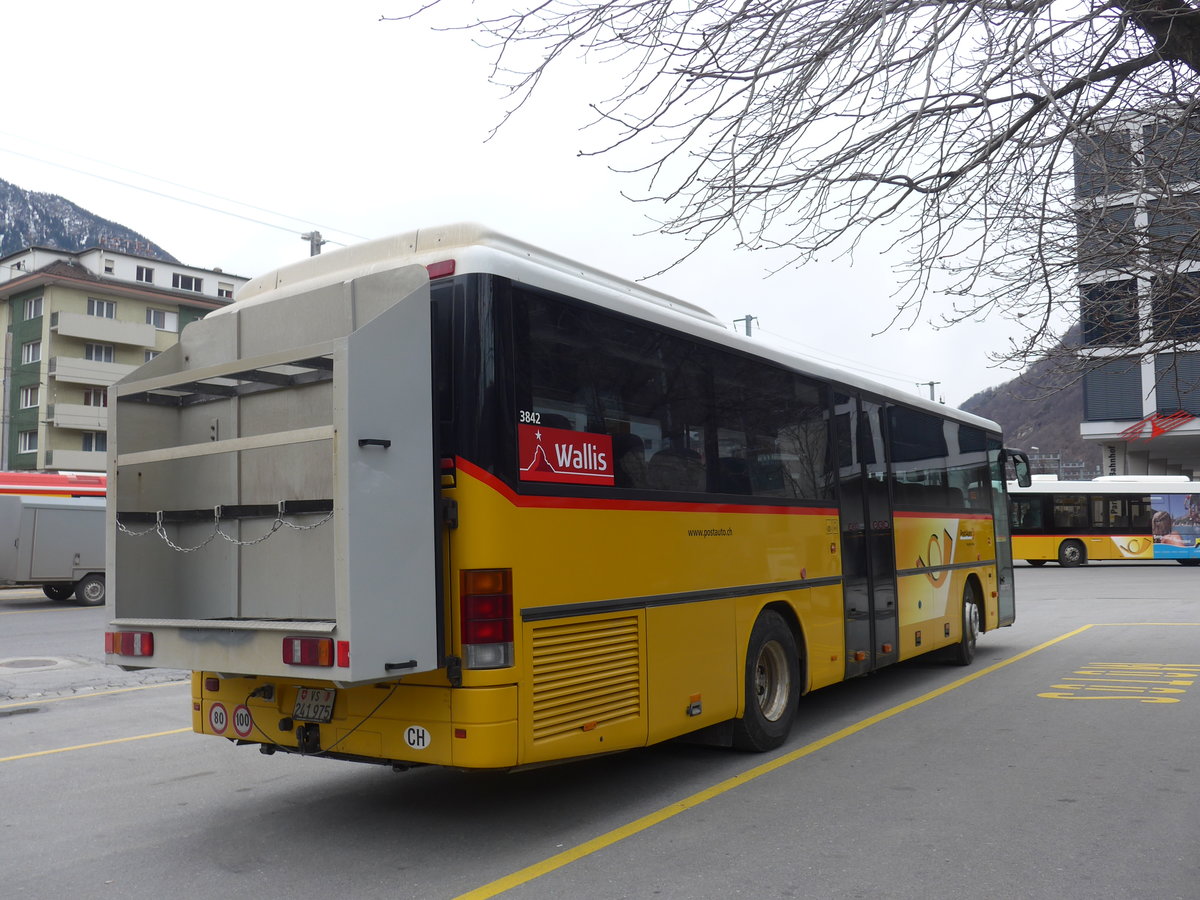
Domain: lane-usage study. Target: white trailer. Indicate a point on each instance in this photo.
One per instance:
(56, 543)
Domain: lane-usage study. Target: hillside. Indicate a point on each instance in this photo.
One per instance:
(1042, 407)
(31, 218)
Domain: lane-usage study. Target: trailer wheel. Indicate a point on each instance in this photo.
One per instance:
(58, 591)
(90, 590)
(772, 685)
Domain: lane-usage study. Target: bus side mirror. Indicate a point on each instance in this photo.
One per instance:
(1021, 465)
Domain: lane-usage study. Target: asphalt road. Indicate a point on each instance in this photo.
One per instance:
(1064, 763)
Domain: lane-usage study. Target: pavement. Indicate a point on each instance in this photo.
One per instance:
(35, 675)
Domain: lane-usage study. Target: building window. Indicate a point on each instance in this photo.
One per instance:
(150, 354)
(146, 274)
(27, 442)
(95, 397)
(33, 308)
(105, 309)
(187, 283)
(98, 352)
(1110, 313)
(224, 290)
(29, 396)
(95, 441)
(1175, 305)
(162, 319)
(31, 352)
(109, 267)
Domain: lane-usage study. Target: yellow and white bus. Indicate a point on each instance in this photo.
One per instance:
(1116, 517)
(536, 513)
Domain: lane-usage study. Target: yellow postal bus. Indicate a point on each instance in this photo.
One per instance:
(448, 498)
(1112, 518)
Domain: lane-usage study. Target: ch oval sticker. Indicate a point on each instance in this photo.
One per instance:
(417, 738)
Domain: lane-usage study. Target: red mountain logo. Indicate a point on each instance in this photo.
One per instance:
(564, 457)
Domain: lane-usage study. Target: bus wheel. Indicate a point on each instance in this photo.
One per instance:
(772, 685)
(1036, 562)
(963, 653)
(1071, 553)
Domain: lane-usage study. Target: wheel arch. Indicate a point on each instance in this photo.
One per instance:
(788, 612)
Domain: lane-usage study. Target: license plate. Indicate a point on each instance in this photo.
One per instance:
(314, 705)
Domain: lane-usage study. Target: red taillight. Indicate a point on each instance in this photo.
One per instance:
(308, 651)
(129, 643)
(486, 607)
(441, 269)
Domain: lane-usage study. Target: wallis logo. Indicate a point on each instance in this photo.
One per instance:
(565, 457)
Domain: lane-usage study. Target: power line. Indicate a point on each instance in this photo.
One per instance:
(167, 196)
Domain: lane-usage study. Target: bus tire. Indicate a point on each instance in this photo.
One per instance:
(772, 685)
(1071, 553)
(1036, 562)
(963, 653)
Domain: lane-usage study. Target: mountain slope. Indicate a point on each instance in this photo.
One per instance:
(32, 218)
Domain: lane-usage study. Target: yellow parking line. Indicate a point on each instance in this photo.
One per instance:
(530, 873)
(140, 687)
(124, 740)
(24, 612)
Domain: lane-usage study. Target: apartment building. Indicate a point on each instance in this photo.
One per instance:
(1137, 190)
(76, 322)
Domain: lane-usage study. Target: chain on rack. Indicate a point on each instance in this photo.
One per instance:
(159, 528)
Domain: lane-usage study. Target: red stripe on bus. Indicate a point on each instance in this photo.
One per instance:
(526, 501)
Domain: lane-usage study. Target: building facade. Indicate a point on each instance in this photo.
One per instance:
(76, 323)
(1137, 192)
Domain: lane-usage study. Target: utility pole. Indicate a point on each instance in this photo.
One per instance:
(314, 242)
(929, 384)
(747, 320)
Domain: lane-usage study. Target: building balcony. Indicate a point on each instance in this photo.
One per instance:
(78, 417)
(87, 371)
(77, 460)
(102, 331)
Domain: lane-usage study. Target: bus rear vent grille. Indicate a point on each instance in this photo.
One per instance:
(585, 675)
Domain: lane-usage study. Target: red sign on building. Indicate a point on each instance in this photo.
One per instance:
(564, 457)
(1159, 425)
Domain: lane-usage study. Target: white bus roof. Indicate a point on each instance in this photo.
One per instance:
(476, 248)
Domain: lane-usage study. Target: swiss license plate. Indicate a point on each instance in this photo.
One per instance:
(314, 705)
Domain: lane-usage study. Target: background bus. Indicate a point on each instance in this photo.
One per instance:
(535, 512)
(53, 484)
(1111, 518)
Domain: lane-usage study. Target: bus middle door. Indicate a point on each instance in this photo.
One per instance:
(868, 552)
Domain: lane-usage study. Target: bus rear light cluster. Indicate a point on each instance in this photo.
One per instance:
(129, 643)
(486, 607)
(309, 651)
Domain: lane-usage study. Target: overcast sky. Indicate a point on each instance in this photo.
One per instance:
(169, 118)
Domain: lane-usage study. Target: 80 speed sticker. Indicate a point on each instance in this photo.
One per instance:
(218, 718)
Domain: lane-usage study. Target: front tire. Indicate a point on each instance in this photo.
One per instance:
(772, 685)
(963, 653)
(1036, 562)
(90, 590)
(1071, 553)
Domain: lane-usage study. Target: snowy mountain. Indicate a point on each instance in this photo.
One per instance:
(31, 218)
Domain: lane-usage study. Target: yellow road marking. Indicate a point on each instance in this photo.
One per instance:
(124, 740)
(530, 873)
(140, 687)
(23, 612)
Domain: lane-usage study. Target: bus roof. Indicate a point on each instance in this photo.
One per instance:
(1118, 485)
(476, 248)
